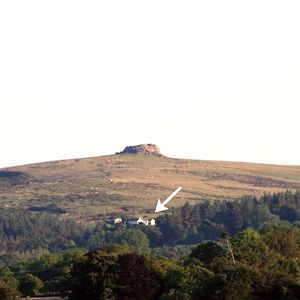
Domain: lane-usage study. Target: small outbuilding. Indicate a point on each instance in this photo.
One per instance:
(117, 221)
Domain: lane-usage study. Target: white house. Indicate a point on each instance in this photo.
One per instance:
(146, 221)
(139, 220)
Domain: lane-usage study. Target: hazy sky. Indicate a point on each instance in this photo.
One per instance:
(202, 79)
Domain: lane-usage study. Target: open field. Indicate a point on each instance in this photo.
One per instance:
(90, 188)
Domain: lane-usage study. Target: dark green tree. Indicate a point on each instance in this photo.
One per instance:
(136, 240)
(135, 279)
(207, 252)
(95, 277)
(30, 285)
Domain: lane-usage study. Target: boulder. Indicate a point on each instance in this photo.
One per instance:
(143, 149)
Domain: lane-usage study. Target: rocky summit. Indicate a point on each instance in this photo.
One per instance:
(143, 149)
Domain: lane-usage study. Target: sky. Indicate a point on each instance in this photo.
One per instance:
(215, 80)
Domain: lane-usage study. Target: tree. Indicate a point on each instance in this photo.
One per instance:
(288, 213)
(235, 280)
(285, 240)
(249, 246)
(153, 234)
(8, 291)
(207, 252)
(115, 249)
(30, 285)
(191, 282)
(259, 215)
(95, 277)
(135, 279)
(135, 239)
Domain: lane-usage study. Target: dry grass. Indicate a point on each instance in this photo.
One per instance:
(133, 183)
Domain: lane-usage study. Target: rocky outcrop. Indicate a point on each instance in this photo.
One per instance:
(143, 149)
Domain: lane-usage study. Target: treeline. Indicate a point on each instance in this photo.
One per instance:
(208, 219)
(250, 265)
(25, 234)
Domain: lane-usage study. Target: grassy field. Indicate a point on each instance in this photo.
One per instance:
(91, 188)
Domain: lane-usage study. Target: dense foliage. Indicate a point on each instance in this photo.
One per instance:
(25, 234)
(264, 264)
(207, 220)
(243, 249)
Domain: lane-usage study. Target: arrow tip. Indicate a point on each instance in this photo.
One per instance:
(160, 207)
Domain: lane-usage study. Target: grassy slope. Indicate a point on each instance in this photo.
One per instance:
(99, 185)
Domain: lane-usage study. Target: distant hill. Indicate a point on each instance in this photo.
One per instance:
(130, 184)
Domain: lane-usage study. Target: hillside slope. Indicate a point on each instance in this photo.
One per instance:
(131, 184)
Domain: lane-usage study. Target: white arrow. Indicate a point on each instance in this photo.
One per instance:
(161, 206)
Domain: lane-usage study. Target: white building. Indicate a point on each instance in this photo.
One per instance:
(139, 220)
(117, 221)
(146, 221)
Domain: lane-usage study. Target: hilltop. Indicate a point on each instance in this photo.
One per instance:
(143, 149)
(129, 183)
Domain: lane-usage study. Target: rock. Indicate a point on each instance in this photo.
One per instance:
(143, 149)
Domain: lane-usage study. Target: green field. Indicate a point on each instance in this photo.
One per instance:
(92, 188)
